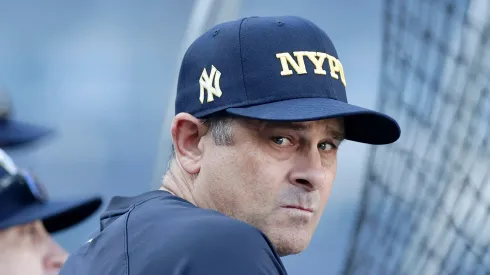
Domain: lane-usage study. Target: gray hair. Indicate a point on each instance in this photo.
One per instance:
(221, 128)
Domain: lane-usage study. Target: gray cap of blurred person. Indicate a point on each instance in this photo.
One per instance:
(28, 216)
(15, 133)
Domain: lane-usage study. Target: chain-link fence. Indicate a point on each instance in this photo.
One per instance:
(426, 201)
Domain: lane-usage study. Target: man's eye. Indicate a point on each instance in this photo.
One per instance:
(283, 141)
(325, 146)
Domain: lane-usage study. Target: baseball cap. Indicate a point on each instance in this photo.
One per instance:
(13, 132)
(23, 199)
(282, 68)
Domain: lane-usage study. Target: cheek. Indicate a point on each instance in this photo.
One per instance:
(247, 182)
(330, 166)
(266, 174)
(325, 193)
(20, 259)
(228, 180)
(329, 162)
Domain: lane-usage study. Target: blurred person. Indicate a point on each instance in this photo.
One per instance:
(28, 218)
(14, 133)
(260, 112)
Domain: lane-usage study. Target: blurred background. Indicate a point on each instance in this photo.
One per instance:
(103, 73)
(425, 205)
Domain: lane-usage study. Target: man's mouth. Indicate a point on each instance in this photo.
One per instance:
(299, 208)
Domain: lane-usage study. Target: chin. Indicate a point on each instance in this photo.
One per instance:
(290, 241)
(289, 248)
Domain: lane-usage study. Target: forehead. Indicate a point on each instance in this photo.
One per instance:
(13, 232)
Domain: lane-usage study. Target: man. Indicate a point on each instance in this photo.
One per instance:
(28, 217)
(261, 110)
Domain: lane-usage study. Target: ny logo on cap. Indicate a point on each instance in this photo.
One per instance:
(317, 58)
(206, 82)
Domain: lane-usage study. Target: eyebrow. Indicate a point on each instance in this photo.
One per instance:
(336, 134)
(340, 136)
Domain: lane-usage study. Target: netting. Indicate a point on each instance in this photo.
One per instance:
(426, 201)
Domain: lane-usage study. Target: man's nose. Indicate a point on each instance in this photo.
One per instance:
(309, 172)
(55, 257)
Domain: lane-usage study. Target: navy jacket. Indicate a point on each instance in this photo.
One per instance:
(158, 233)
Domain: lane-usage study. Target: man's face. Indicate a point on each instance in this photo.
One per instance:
(276, 176)
(29, 249)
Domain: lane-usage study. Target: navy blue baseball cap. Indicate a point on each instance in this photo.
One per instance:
(23, 199)
(15, 133)
(277, 69)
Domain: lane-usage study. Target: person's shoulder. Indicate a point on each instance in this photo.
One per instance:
(106, 251)
(220, 230)
(157, 233)
(192, 238)
(219, 238)
(178, 223)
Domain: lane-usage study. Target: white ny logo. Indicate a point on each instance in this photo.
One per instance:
(206, 82)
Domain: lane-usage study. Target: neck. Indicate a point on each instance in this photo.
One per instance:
(178, 184)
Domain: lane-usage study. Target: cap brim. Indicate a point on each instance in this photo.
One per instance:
(14, 133)
(361, 125)
(56, 215)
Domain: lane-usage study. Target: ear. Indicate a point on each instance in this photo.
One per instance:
(187, 132)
